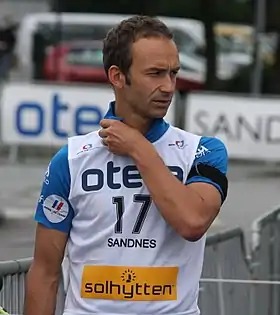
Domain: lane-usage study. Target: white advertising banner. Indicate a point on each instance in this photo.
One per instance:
(249, 127)
(36, 114)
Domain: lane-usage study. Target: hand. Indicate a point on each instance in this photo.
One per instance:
(119, 138)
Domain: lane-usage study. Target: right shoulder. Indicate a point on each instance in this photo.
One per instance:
(54, 210)
(60, 158)
(82, 144)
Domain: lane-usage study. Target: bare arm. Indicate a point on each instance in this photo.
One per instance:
(189, 209)
(45, 272)
(54, 215)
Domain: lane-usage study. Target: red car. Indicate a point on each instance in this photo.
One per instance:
(82, 61)
(79, 61)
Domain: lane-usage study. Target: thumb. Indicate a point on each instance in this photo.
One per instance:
(105, 123)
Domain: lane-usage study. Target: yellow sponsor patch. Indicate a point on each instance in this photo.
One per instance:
(129, 283)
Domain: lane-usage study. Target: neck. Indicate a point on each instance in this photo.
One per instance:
(131, 118)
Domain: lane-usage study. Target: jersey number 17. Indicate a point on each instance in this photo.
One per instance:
(144, 200)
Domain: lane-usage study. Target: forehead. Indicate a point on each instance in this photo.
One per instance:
(155, 51)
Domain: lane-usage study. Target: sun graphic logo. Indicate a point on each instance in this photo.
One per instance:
(128, 276)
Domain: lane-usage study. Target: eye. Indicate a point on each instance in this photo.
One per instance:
(155, 73)
(174, 72)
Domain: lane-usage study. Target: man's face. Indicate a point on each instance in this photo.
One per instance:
(155, 63)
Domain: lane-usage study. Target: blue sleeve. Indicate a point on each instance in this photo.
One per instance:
(54, 209)
(210, 151)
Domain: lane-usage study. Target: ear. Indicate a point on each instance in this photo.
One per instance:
(116, 77)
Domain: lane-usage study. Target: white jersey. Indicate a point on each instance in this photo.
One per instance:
(123, 257)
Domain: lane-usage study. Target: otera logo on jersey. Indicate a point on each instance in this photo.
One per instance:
(129, 283)
(94, 179)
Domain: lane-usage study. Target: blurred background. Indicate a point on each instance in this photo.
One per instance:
(52, 85)
(227, 46)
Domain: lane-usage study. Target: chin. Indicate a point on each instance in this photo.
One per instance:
(158, 116)
(159, 113)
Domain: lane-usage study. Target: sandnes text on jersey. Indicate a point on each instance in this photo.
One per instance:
(93, 179)
(132, 243)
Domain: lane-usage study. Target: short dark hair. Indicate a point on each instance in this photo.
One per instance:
(118, 42)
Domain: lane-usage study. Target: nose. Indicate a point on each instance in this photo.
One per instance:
(168, 84)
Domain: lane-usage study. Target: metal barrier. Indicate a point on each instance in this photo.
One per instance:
(13, 274)
(12, 294)
(225, 258)
(266, 262)
(236, 283)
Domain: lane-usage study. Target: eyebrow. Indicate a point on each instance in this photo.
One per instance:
(162, 69)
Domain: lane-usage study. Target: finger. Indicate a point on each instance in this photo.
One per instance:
(103, 133)
(105, 123)
(105, 142)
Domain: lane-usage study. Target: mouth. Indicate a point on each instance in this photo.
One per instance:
(162, 102)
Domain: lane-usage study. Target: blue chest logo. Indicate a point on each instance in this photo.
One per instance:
(130, 178)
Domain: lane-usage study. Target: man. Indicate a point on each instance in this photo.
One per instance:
(132, 201)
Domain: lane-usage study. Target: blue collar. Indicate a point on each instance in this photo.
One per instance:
(157, 130)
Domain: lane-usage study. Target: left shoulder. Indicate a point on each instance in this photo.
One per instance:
(211, 144)
(212, 151)
(210, 164)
